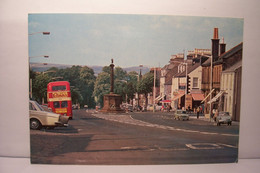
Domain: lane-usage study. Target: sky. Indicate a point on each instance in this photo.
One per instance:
(131, 40)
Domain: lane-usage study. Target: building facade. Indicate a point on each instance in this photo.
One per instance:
(213, 70)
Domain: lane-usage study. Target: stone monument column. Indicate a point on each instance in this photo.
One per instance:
(112, 77)
(112, 101)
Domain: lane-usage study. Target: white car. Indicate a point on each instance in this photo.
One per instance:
(223, 118)
(40, 118)
(181, 115)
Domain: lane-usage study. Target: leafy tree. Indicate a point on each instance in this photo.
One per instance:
(106, 69)
(81, 80)
(87, 81)
(145, 86)
(39, 87)
(119, 73)
(102, 87)
(76, 96)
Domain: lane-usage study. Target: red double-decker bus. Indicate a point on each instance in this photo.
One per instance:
(59, 97)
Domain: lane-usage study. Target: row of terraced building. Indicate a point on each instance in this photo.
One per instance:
(206, 78)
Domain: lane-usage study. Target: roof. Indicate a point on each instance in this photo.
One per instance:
(232, 51)
(233, 67)
(225, 55)
(190, 69)
(170, 74)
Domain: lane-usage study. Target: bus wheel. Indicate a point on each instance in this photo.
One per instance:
(35, 124)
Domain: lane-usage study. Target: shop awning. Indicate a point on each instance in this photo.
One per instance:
(197, 97)
(216, 97)
(207, 96)
(179, 95)
(159, 98)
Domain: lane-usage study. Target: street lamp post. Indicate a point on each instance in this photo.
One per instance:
(211, 80)
(186, 64)
(139, 79)
(154, 81)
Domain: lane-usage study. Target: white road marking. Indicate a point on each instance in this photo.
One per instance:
(203, 146)
(226, 145)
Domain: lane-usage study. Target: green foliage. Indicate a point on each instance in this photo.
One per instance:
(39, 87)
(81, 79)
(145, 86)
(86, 88)
(102, 87)
(86, 85)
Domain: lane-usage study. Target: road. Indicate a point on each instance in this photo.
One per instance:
(134, 139)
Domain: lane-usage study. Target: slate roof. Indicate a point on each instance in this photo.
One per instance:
(233, 67)
(225, 55)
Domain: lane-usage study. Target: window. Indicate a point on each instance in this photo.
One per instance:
(195, 82)
(56, 104)
(64, 104)
(59, 88)
(31, 107)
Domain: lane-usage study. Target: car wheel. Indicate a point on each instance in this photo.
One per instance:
(35, 124)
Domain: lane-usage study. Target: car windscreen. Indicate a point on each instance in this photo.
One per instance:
(39, 107)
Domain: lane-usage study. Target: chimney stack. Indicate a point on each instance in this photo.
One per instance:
(215, 45)
(222, 46)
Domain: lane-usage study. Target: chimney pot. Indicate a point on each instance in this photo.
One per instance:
(215, 33)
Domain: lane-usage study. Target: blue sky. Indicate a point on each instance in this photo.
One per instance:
(131, 40)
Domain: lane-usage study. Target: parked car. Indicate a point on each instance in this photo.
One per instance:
(46, 108)
(181, 115)
(40, 118)
(223, 118)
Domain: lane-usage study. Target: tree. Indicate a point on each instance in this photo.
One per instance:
(87, 82)
(102, 84)
(81, 79)
(119, 74)
(131, 87)
(102, 87)
(145, 86)
(39, 87)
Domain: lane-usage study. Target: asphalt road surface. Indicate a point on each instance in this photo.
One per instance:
(134, 139)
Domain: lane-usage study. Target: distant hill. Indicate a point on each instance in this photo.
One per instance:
(39, 67)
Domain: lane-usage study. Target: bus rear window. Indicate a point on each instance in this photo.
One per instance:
(59, 88)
